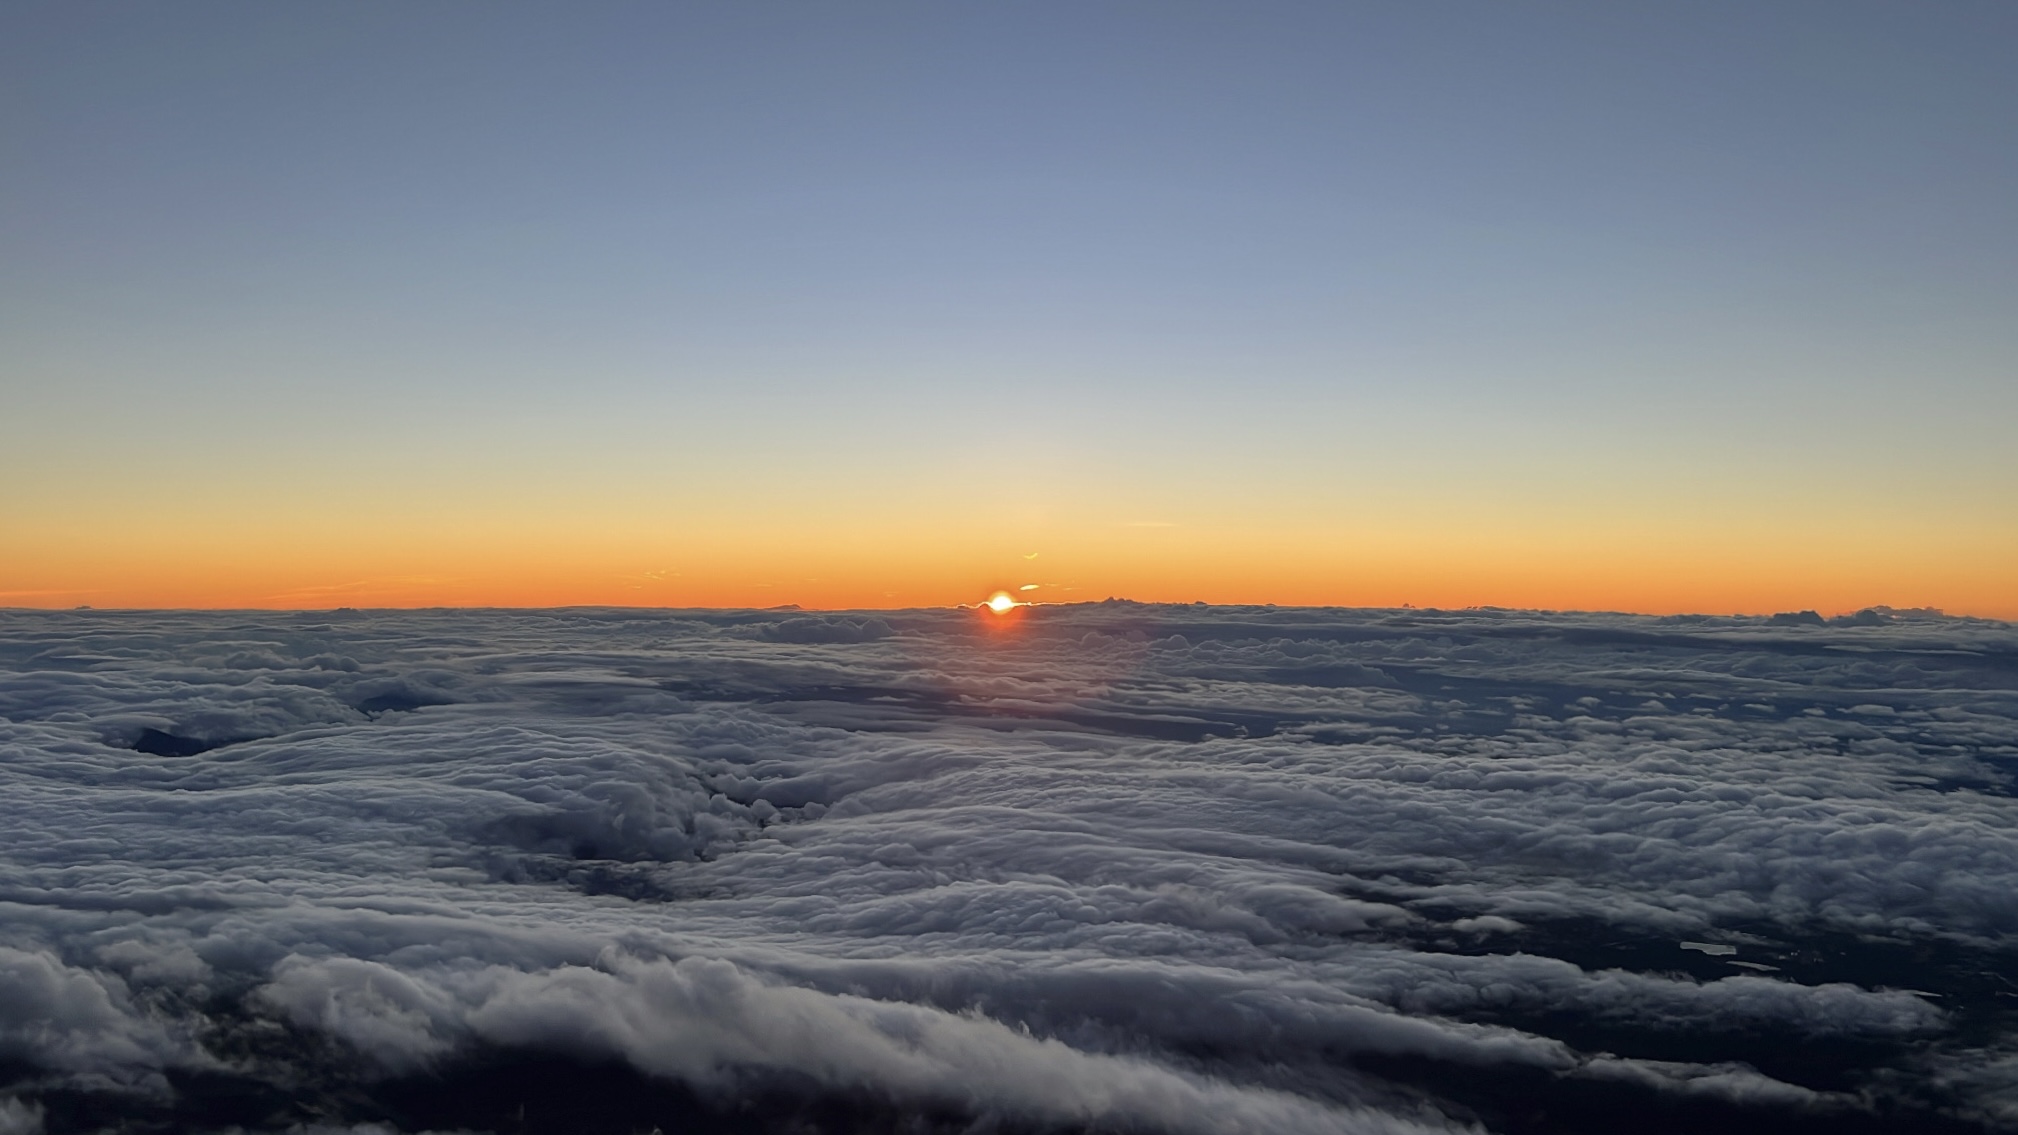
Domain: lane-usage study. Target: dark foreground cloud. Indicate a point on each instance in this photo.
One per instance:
(1127, 868)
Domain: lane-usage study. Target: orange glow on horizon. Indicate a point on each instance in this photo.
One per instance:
(312, 561)
(1539, 583)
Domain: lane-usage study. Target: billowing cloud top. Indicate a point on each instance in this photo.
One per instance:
(1120, 868)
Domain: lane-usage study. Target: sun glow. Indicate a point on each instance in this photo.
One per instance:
(1001, 602)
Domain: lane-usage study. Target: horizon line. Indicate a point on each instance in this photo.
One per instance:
(1924, 612)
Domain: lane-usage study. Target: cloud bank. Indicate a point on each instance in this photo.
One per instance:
(1125, 868)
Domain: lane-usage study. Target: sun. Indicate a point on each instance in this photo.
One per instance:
(1001, 602)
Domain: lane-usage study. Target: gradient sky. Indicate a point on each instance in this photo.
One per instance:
(1704, 306)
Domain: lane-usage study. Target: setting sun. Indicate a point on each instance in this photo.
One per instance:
(1001, 602)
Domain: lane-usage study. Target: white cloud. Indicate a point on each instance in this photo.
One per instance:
(81, 1022)
(1174, 868)
(20, 1118)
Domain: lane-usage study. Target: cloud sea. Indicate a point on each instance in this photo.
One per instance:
(1105, 867)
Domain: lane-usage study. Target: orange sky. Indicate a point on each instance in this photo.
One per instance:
(321, 558)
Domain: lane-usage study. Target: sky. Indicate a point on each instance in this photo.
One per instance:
(1656, 308)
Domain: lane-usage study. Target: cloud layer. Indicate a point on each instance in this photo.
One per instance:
(1157, 869)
